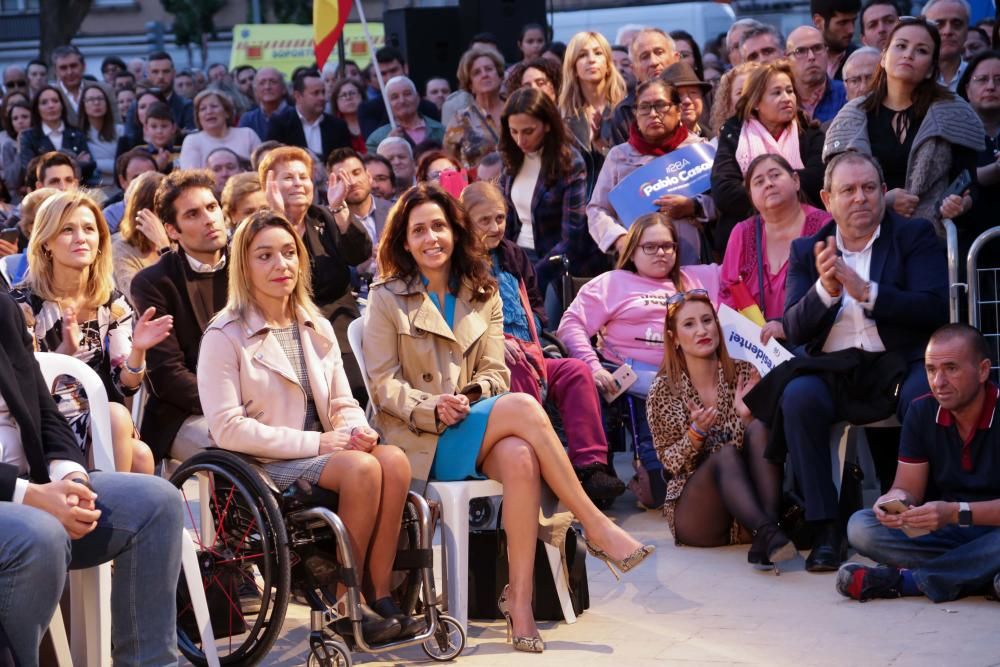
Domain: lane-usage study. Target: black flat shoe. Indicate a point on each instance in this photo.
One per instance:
(375, 628)
(829, 551)
(411, 625)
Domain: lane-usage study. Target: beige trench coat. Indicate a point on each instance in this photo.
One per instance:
(412, 356)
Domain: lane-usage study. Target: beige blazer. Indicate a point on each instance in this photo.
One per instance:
(411, 356)
(251, 396)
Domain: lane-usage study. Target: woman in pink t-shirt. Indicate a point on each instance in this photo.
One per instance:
(758, 249)
(626, 309)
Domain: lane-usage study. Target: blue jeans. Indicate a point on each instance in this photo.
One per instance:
(140, 529)
(947, 564)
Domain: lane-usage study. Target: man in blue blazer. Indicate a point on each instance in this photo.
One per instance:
(870, 280)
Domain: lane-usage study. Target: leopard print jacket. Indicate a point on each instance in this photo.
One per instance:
(669, 419)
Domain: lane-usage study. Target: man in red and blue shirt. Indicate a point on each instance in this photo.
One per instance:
(948, 479)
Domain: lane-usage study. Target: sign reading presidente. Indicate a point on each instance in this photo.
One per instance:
(686, 171)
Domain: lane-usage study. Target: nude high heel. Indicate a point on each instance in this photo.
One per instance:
(526, 644)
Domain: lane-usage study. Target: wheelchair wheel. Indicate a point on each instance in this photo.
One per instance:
(330, 653)
(448, 642)
(243, 555)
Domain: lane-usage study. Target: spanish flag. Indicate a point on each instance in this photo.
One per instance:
(329, 17)
(745, 304)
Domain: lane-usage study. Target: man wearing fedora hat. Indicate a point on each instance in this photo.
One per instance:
(692, 91)
(819, 96)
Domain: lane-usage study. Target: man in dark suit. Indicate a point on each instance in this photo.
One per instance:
(306, 125)
(55, 516)
(871, 281)
(189, 283)
(372, 114)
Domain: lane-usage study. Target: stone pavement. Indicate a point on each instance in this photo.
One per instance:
(691, 606)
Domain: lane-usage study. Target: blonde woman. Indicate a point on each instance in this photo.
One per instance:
(71, 307)
(242, 197)
(728, 93)
(272, 386)
(142, 237)
(215, 115)
(592, 88)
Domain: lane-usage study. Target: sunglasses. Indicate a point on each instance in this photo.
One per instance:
(20, 83)
(696, 294)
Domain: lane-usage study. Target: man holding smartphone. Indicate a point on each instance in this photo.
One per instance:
(949, 546)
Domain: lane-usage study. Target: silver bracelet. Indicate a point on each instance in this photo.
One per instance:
(135, 371)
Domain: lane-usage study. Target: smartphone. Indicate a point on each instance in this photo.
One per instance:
(454, 182)
(896, 506)
(10, 235)
(624, 377)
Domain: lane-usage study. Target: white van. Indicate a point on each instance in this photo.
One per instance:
(704, 20)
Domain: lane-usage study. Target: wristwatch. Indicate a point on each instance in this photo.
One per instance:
(964, 515)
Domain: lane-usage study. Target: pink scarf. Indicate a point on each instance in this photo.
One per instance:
(756, 140)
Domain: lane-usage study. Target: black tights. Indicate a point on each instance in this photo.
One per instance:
(729, 484)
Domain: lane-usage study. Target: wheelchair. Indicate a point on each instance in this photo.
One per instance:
(258, 547)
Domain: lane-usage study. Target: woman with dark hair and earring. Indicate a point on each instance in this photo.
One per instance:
(720, 487)
(51, 131)
(768, 120)
(434, 352)
(920, 132)
(98, 122)
(347, 96)
(688, 51)
(545, 184)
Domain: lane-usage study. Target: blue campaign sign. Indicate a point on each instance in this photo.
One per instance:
(686, 171)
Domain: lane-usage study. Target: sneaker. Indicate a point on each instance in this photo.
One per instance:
(863, 583)
(600, 482)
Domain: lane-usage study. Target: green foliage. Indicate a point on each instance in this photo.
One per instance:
(192, 18)
(292, 11)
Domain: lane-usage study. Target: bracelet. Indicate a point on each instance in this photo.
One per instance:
(337, 210)
(697, 431)
(135, 371)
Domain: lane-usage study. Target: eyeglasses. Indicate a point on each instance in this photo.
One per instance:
(645, 109)
(668, 248)
(857, 80)
(697, 294)
(348, 95)
(803, 52)
(19, 83)
(983, 79)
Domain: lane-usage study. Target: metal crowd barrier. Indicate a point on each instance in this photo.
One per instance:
(982, 286)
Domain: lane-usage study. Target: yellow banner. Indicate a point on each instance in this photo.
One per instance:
(287, 46)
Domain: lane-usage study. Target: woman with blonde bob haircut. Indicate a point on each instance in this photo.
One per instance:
(272, 386)
(476, 121)
(592, 88)
(142, 237)
(71, 307)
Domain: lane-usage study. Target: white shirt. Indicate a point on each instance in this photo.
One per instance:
(522, 192)
(202, 267)
(314, 138)
(853, 327)
(953, 84)
(12, 452)
(74, 101)
(55, 135)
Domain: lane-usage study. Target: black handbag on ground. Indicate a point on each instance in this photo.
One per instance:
(488, 574)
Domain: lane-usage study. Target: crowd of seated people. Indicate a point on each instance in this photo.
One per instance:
(210, 239)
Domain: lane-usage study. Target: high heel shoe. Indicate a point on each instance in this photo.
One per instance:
(770, 546)
(526, 644)
(623, 565)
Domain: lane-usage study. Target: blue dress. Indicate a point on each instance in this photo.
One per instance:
(459, 445)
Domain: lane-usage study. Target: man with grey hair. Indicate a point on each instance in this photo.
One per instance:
(399, 153)
(652, 52)
(404, 101)
(761, 45)
(952, 19)
(735, 34)
(859, 69)
(269, 91)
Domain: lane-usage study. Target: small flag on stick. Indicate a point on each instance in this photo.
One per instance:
(745, 303)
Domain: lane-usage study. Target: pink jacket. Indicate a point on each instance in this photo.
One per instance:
(628, 311)
(250, 394)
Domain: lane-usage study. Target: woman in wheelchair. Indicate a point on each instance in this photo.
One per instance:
(625, 310)
(273, 387)
(566, 382)
(434, 352)
(720, 485)
(71, 306)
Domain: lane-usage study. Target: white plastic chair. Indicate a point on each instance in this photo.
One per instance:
(90, 589)
(454, 498)
(8, 264)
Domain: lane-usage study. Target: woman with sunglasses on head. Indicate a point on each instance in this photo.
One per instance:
(625, 309)
(758, 249)
(434, 351)
(656, 131)
(720, 488)
(921, 133)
